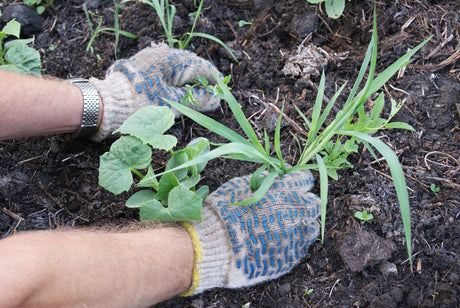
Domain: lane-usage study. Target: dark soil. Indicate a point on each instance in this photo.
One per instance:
(51, 181)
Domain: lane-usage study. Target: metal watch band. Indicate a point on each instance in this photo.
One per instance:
(90, 108)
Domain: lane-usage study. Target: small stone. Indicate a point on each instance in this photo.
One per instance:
(388, 269)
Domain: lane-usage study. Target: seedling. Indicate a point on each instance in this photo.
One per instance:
(307, 292)
(173, 197)
(166, 13)
(329, 145)
(243, 23)
(363, 216)
(40, 5)
(434, 189)
(16, 55)
(334, 8)
(95, 31)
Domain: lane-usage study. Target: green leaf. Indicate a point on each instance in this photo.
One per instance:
(378, 106)
(334, 8)
(12, 28)
(178, 158)
(183, 205)
(215, 39)
(149, 179)
(148, 124)
(191, 181)
(202, 192)
(400, 125)
(208, 123)
(23, 59)
(167, 182)
(40, 9)
(323, 192)
(13, 43)
(139, 198)
(261, 191)
(125, 154)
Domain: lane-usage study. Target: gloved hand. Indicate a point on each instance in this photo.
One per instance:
(239, 246)
(154, 73)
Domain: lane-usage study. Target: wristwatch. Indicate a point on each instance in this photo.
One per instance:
(90, 108)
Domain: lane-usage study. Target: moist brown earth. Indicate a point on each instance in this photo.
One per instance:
(49, 182)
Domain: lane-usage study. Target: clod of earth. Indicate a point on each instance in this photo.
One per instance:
(361, 249)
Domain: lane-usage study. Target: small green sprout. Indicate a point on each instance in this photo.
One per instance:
(334, 8)
(166, 13)
(434, 189)
(97, 30)
(243, 23)
(40, 5)
(363, 216)
(307, 292)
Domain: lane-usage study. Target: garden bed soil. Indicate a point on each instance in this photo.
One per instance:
(51, 181)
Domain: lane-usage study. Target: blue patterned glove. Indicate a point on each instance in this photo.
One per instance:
(146, 78)
(239, 246)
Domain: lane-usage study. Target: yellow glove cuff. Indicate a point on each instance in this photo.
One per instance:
(197, 260)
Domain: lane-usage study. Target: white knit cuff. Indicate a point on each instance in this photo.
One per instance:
(118, 100)
(216, 252)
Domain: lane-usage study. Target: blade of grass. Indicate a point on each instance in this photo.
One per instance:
(208, 123)
(276, 140)
(323, 192)
(215, 39)
(239, 115)
(398, 180)
(261, 191)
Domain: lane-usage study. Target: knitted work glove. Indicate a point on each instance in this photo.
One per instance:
(146, 78)
(239, 246)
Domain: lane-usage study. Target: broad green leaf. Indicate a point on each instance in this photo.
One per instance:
(13, 43)
(183, 205)
(178, 158)
(125, 154)
(23, 59)
(167, 182)
(13, 28)
(191, 181)
(334, 8)
(139, 198)
(149, 179)
(148, 124)
(195, 148)
(202, 192)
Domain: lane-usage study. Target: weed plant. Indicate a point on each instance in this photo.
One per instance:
(327, 147)
(166, 13)
(95, 31)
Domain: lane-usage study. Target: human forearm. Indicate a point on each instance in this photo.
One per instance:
(97, 269)
(31, 106)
